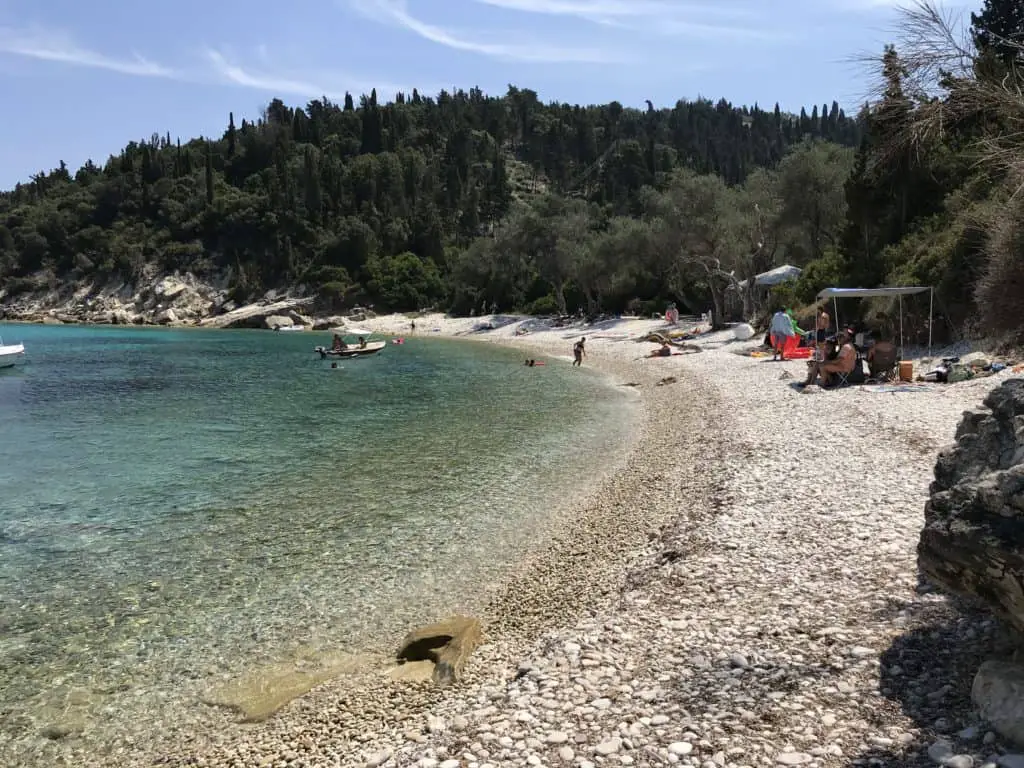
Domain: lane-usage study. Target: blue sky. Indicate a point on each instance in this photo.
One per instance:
(80, 79)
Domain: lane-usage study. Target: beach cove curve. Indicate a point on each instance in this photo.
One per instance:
(62, 731)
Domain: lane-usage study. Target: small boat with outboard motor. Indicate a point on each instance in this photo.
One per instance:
(351, 343)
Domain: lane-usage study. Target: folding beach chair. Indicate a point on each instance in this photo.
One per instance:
(884, 361)
(856, 376)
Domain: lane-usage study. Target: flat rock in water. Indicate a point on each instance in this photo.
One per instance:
(446, 644)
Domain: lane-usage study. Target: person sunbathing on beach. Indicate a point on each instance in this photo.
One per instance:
(845, 362)
(665, 350)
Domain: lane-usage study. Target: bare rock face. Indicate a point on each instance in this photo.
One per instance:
(327, 323)
(273, 322)
(973, 540)
(447, 644)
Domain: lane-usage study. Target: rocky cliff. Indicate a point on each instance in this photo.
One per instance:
(973, 540)
(177, 300)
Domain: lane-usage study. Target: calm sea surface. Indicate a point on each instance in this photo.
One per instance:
(180, 503)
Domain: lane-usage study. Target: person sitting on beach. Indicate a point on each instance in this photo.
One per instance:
(844, 362)
(579, 351)
(338, 344)
(665, 350)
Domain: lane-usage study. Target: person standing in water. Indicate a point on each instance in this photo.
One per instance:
(579, 351)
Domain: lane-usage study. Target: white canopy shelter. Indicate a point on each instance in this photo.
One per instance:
(782, 274)
(868, 293)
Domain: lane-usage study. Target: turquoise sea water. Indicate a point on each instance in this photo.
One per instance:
(180, 503)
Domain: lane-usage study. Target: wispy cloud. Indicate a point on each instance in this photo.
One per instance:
(395, 12)
(60, 48)
(333, 87)
(57, 47)
(954, 6)
(601, 11)
(231, 72)
(678, 19)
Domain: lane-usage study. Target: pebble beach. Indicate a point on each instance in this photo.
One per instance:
(742, 593)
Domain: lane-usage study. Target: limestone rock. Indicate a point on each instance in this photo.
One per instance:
(998, 693)
(273, 322)
(299, 319)
(166, 317)
(253, 315)
(447, 644)
(169, 288)
(973, 540)
(326, 323)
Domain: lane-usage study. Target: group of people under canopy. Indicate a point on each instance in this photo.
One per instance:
(832, 357)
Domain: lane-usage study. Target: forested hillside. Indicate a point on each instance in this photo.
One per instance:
(377, 198)
(466, 201)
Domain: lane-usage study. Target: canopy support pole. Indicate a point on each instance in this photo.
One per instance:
(835, 312)
(931, 316)
(901, 326)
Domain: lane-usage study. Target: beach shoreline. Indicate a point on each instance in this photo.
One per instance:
(715, 603)
(517, 614)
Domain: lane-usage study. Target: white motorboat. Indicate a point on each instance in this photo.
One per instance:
(290, 328)
(344, 346)
(11, 354)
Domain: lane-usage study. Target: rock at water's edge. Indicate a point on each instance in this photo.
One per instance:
(273, 322)
(447, 644)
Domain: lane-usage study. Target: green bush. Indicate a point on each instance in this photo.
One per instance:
(332, 294)
(827, 272)
(404, 281)
(545, 305)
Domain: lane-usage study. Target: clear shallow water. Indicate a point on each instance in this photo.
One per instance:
(178, 503)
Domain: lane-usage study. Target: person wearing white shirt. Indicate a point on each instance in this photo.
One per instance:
(781, 329)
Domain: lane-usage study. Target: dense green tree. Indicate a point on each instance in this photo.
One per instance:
(998, 30)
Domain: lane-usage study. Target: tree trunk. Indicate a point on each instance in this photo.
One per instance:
(718, 308)
(559, 290)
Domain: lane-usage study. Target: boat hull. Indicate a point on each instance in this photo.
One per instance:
(11, 355)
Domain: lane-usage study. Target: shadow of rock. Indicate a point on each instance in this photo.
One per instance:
(928, 671)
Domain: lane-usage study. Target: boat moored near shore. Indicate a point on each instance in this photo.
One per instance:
(11, 354)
